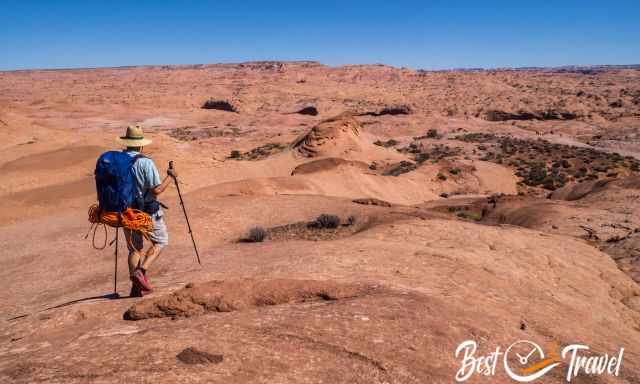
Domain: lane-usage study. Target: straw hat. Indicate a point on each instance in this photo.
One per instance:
(134, 137)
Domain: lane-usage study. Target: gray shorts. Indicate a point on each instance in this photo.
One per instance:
(159, 236)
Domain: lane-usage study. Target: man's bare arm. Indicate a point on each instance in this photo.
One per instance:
(171, 173)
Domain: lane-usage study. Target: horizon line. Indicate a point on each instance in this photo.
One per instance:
(319, 63)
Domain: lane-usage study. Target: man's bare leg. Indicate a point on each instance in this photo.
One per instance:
(134, 261)
(142, 259)
(150, 257)
(135, 246)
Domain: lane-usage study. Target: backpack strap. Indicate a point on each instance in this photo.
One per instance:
(140, 197)
(138, 156)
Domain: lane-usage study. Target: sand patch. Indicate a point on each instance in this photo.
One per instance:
(54, 160)
(52, 194)
(327, 165)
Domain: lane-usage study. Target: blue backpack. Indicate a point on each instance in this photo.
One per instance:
(115, 182)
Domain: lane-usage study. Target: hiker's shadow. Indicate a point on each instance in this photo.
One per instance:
(110, 296)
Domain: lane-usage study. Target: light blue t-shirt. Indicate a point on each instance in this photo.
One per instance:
(147, 177)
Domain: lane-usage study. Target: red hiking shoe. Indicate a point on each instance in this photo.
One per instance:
(137, 290)
(141, 279)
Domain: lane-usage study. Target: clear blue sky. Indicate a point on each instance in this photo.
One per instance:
(417, 34)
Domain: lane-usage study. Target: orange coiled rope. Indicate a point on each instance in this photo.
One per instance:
(132, 219)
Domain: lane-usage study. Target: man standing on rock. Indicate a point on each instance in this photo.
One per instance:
(149, 186)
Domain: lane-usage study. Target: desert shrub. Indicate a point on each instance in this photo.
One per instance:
(310, 110)
(432, 133)
(537, 175)
(256, 235)
(442, 177)
(221, 105)
(470, 215)
(455, 171)
(327, 221)
(488, 156)
(394, 110)
(259, 153)
(549, 184)
(235, 154)
(400, 168)
(386, 144)
(559, 179)
(422, 157)
(616, 104)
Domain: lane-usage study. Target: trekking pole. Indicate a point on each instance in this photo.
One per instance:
(184, 210)
(115, 274)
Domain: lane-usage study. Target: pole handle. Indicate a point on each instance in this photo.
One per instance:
(173, 177)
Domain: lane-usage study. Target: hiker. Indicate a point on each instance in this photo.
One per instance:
(149, 186)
